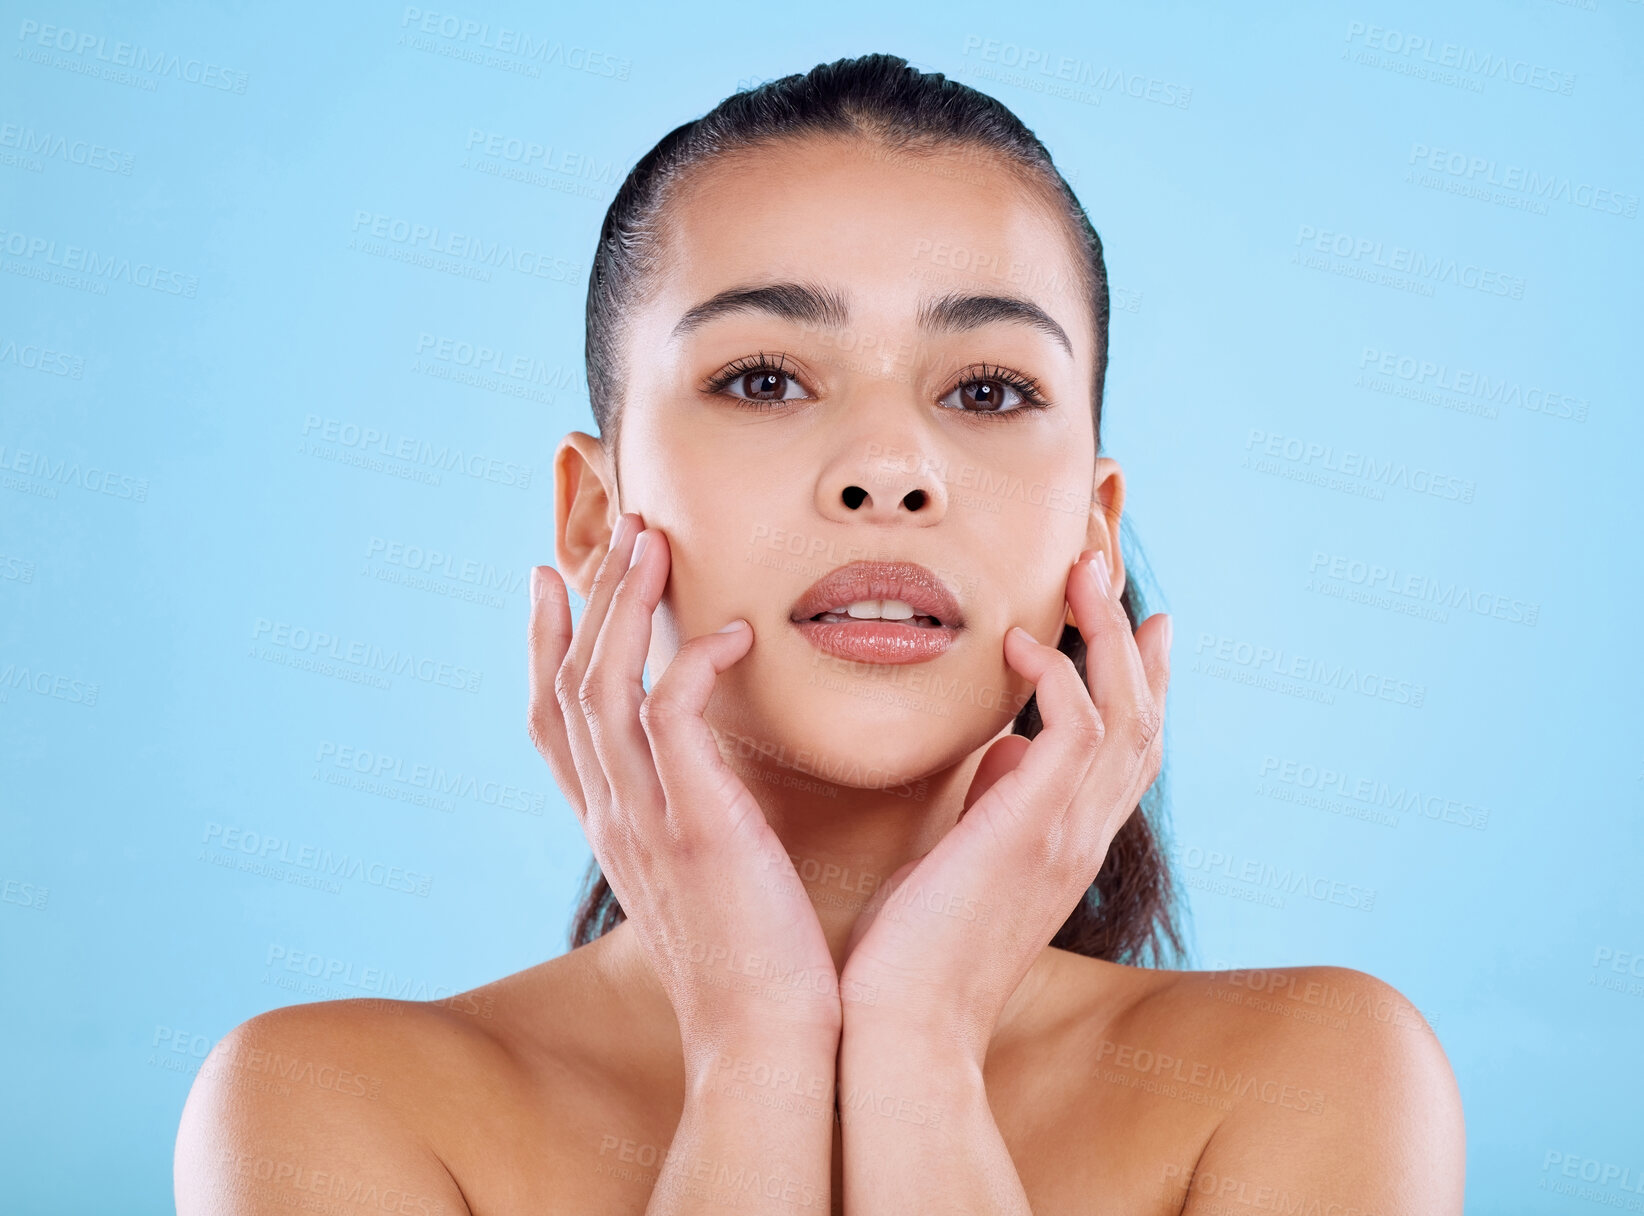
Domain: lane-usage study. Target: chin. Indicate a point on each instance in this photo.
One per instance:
(884, 728)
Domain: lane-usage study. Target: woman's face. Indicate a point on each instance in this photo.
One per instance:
(878, 439)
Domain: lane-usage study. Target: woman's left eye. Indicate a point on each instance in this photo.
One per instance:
(991, 395)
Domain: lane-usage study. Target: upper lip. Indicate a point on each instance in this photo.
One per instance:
(909, 582)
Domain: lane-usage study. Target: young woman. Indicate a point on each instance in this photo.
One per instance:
(876, 871)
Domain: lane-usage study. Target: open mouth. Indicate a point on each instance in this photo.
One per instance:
(895, 612)
(880, 613)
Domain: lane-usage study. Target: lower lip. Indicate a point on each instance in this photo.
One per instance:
(879, 641)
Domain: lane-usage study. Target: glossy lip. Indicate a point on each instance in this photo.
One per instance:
(909, 582)
(884, 642)
(878, 641)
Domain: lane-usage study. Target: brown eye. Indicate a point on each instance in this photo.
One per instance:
(995, 391)
(987, 395)
(761, 382)
(769, 385)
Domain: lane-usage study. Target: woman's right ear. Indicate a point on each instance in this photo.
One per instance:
(586, 509)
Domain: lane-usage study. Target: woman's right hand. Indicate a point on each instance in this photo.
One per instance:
(708, 887)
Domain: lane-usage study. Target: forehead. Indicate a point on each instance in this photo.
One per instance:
(885, 229)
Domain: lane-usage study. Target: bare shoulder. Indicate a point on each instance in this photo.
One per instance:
(1337, 1090)
(322, 1101)
(428, 1108)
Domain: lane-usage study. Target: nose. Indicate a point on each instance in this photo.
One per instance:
(884, 486)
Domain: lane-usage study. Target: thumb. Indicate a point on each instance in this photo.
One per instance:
(1001, 757)
(870, 910)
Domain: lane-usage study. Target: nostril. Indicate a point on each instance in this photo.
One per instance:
(854, 496)
(915, 500)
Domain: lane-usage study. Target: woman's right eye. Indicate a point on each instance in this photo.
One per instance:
(766, 386)
(758, 383)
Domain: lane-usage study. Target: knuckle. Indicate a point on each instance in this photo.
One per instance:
(1088, 728)
(657, 712)
(591, 691)
(536, 727)
(649, 709)
(565, 685)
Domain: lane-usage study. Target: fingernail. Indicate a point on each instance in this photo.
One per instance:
(732, 627)
(1170, 632)
(1103, 579)
(537, 581)
(639, 548)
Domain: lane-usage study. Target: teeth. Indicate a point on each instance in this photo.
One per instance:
(888, 610)
(877, 610)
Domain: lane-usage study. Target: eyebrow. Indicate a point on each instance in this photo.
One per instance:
(824, 308)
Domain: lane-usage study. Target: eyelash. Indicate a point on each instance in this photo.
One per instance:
(1032, 397)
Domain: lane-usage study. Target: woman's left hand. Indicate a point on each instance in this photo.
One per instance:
(949, 936)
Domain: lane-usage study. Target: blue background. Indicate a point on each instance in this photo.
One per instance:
(171, 502)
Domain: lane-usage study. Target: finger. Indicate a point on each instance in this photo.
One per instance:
(1116, 675)
(1158, 630)
(613, 687)
(568, 679)
(1040, 788)
(606, 578)
(688, 764)
(1001, 756)
(1113, 790)
(1081, 821)
(548, 640)
(1105, 628)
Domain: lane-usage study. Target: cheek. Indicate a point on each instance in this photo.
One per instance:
(1034, 565)
(709, 583)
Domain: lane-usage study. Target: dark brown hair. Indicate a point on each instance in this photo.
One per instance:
(1129, 913)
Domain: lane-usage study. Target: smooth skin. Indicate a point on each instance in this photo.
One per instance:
(839, 878)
